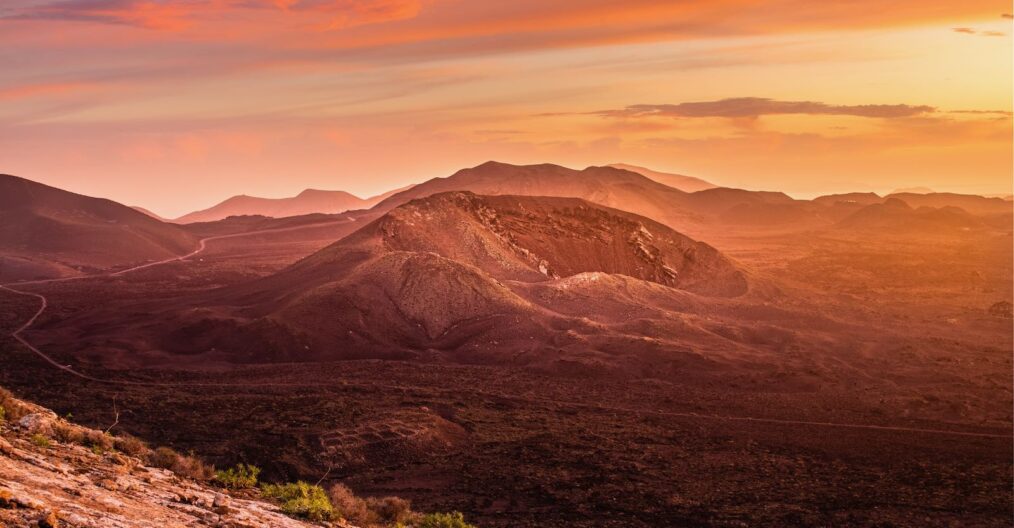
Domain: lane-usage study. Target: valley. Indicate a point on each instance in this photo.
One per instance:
(860, 371)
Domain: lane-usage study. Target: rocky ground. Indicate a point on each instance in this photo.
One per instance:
(46, 483)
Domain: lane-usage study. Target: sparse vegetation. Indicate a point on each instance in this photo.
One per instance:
(392, 511)
(3, 415)
(386, 511)
(300, 499)
(350, 506)
(68, 434)
(444, 520)
(131, 445)
(13, 409)
(183, 465)
(40, 440)
(238, 477)
(98, 439)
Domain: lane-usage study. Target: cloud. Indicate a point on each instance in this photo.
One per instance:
(750, 107)
(177, 15)
(970, 31)
(141, 13)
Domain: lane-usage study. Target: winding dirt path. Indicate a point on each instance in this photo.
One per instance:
(202, 245)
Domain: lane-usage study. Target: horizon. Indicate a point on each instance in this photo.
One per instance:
(175, 106)
(286, 194)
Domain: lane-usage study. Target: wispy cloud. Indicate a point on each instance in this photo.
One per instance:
(970, 31)
(177, 15)
(746, 107)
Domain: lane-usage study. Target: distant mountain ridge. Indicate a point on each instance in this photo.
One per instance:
(676, 181)
(309, 201)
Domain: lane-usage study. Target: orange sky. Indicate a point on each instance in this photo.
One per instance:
(177, 104)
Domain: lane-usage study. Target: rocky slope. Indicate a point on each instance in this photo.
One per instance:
(49, 483)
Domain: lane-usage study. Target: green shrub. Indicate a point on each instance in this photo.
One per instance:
(444, 520)
(3, 415)
(301, 500)
(40, 440)
(241, 476)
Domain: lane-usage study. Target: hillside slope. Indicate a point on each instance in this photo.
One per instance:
(451, 275)
(47, 232)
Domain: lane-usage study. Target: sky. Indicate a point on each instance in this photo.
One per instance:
(175, 105)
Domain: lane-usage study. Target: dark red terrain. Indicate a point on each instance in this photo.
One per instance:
(538, 346)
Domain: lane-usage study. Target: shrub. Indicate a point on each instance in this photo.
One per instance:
(68, 434)
(130, 445)
(391, 510)
(301, 500)
(350, 506)
(444, 520)
(241, 476)
(40, 440)
(193, 467)
(182, 465)
(98, 440)
(162, 457)
(13, 409)
(3, 415)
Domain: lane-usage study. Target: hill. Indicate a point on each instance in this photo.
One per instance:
(895, 215)
(47, 232)
(972, 203)
(452, 274)
(310, 201)
(676, 181)
(306, 202)
(609, 186)
(147, 212)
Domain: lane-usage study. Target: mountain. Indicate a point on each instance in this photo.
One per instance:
(973, 203)
(147, 212)
(307, 202)
(609, 186)
(676, 181)
(895, 215)
(455, 274)
(46, 232)
(855, 198)
(913, 190)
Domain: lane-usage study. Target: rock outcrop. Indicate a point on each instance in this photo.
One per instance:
(45, 482)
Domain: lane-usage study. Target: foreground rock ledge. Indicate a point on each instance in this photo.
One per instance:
(68, 485)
